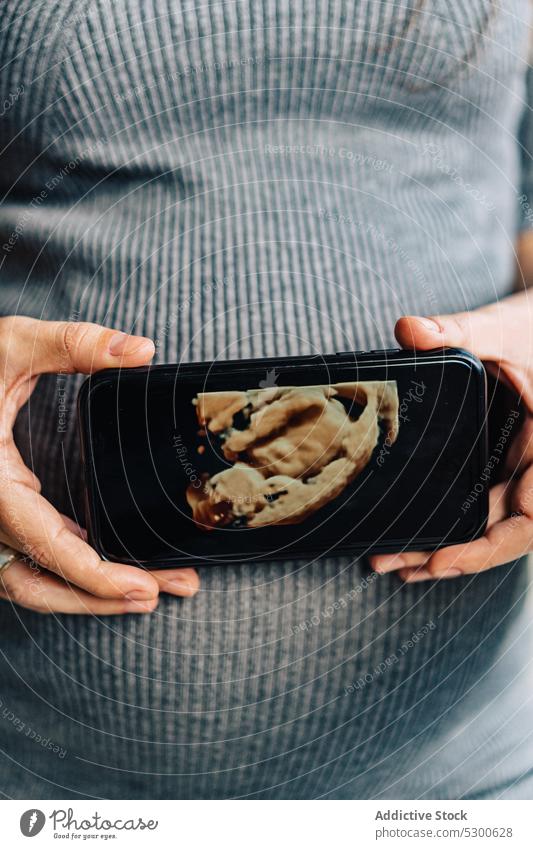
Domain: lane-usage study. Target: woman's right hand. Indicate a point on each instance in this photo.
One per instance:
(58, 571)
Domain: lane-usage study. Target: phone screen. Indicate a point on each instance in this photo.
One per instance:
(232, 464)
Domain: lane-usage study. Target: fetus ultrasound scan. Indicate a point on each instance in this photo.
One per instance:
(242, 462)
(286, 451)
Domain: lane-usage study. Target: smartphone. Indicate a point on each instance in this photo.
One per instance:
(289, 457)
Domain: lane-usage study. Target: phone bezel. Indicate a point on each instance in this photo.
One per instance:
(338, 362)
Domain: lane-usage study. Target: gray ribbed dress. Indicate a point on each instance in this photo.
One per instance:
(242, 178)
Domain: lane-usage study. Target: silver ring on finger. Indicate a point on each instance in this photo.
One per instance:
(8, 556)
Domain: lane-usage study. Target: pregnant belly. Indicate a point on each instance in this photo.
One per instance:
(277, 680)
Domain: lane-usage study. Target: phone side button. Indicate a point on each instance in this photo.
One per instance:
(373, 351)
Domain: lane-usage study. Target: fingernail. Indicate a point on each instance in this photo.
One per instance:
(140, 595)
(429, 324)
(181, 586)
(121, 344)
(388, 563)
(410, 576)
(140, 606)
(450, 573)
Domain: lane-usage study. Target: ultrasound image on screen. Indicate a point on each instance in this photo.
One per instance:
(288, 450)
(242, 465)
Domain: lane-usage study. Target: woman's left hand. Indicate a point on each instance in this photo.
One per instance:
(501, 335)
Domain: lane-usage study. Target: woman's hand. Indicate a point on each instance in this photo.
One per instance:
(59, 571)
(502, 336)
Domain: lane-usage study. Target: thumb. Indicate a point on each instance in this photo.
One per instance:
(499, 334)
(67, 347)
(481, 332)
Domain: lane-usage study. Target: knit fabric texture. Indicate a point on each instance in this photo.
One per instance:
(247, 178)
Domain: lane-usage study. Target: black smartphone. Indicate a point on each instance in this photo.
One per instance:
(248, 460)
